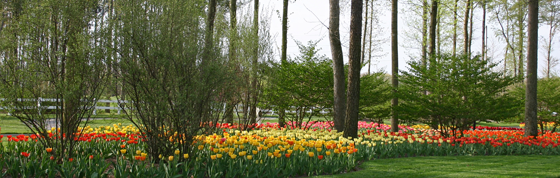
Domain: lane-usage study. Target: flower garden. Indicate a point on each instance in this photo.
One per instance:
(264, 151)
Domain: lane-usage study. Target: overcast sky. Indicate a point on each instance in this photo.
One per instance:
(308, 19)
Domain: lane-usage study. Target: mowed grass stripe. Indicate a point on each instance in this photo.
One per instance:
(460, 166)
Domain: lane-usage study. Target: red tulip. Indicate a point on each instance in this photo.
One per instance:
(25, 154)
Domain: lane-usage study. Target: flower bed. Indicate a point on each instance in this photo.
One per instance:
(263, 151)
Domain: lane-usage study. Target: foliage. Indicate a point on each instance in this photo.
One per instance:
(303, 86)
(172, 91)
(375, 96)
(548, 101)
(453, 92)
(50, 50)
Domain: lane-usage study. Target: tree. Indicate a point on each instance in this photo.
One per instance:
(394, 66)
(462, 90)
(169, 91)
(433, 23)
(232, 51)
(284, 56)
(531, 91)
(353, 91)
(550, 17)
(375, 97)
(304, 97)
(46, 47)
(548, 101)
(254, 84)
(339, 99)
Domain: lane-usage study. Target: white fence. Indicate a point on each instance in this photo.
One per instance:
(238, 108)
(41, 100)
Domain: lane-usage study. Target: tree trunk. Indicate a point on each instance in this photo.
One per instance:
(424, 31)
(531, 90)
(433, 23)
(471, 30)
(395, 66)
(466, 26)
(209, 31)
(455, 28)
(281, 120)
(232, 53)
(339, 105)
(353, 94)
(483, 49)
(370, 39)
(255, 64)
(365, 32)
(521, 33)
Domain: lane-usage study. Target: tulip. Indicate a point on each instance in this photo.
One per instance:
(170, 158)
(138, 152)
(49, 150)
(177, 152)
(90, 156)
(249, 157)
(320, 157)
(311, 154)
(213, 157)
(219, 156)
(186, 156)
(25, 154)
(328, 153)
(123, 151)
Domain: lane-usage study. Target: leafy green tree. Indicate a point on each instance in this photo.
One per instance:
(548, 100)
(461, 91)
(375, 96)
(303, 85)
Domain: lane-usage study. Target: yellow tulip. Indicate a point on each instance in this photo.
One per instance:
(249, 157)
(328, 153)
(138, 152)
(311, 154)
(186, 156)
(177, 152)
(219, 156)
(319, 149)
(170, 158)
(123, 151)
(213, 157)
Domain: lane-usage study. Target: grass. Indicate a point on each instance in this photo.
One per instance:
(459, 166)
(12, 125)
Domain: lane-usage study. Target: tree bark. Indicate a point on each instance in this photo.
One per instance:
(353, 94)
(483, 30)
(370, 39)
(254, 90)
(455, 28)
(395, 66)
(521, 33)
(281, 120)
(433, 23)
(232, 54)
(339, 105)
(209, 31)
(466, 26)
(531, 90)
(365, 32)
(424, 31)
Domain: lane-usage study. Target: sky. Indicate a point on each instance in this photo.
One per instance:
(308, 20)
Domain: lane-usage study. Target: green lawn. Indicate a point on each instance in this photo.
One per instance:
(12, 125)
(459, 166)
